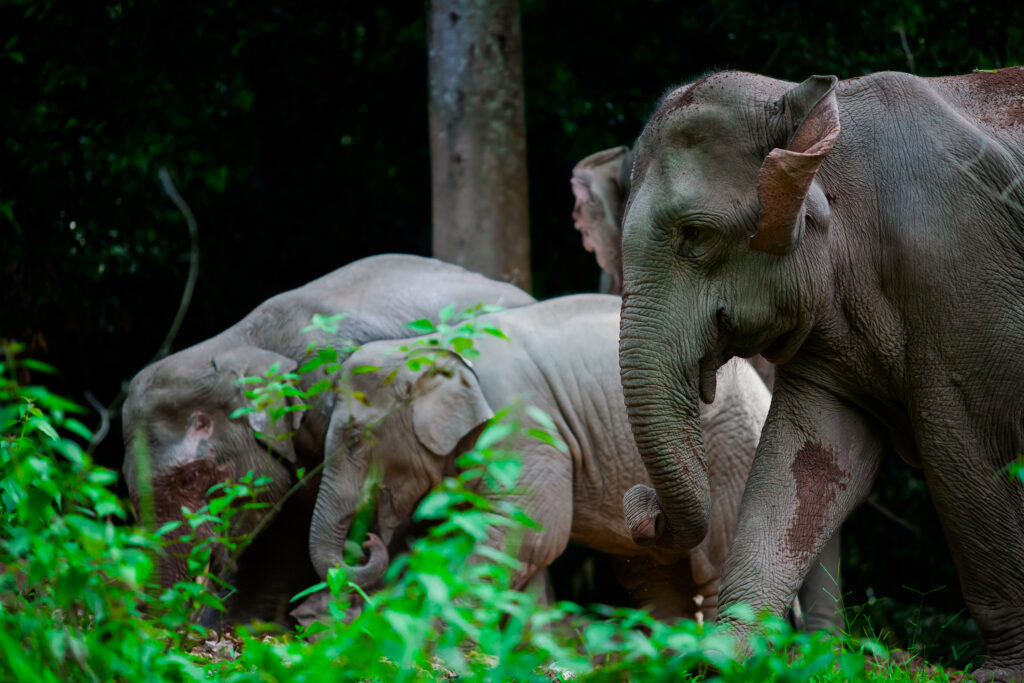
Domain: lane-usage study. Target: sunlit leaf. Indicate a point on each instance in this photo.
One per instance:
(422, 326)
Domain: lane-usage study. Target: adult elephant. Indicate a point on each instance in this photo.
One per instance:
(868, 237)
(179, 409)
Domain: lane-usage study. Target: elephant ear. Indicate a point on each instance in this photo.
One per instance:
(449, 405)
(600, 184)
(251, 361)
(786, 175)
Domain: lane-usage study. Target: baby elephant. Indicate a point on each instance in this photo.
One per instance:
(562, 358)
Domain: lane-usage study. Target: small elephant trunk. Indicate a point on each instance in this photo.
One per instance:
(335, 509)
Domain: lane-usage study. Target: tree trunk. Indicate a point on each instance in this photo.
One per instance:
(478, 138)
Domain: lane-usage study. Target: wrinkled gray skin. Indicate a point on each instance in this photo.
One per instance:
(181, 406)
(562, 358)
(600, 185)
(868, 237)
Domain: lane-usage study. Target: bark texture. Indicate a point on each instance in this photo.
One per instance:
(478, 138)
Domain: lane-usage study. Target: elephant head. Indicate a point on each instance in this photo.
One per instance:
(600, 184)
(405, 424)
(724, 250)
(178, 409)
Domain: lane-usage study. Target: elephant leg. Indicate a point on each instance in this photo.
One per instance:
(540, 587)
(270, 571)
(982, 512)
(544, 492)
(821, 596)
(816, 461)
(667, 591)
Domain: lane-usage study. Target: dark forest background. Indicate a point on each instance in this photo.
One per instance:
(297, 132)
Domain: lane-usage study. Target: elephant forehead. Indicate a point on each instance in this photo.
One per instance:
(688, 187)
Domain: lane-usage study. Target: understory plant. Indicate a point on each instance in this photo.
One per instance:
(79, 599)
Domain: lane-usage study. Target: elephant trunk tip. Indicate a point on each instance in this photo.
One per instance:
(646, 521)
(365, 575)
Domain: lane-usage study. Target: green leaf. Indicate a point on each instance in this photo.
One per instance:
(494, 332)
(548, 438)
(44, 426)
(446, 313)
(390, 378)
(363, 369)
(318, 388)
(541, 418)
(421, 326)
(168, 527)
(326, 323)
(239, 412)
(315, 588)
(38, 366)
(434, 506)
(506, 472)
(494, 433)
(76, 427)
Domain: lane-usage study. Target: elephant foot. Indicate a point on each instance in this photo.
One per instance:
(314, 609)
(992, 672)
(644, 517)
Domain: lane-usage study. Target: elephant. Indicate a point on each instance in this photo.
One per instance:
(180, 408)
(600, 185)
(867, 237)
(412, 424)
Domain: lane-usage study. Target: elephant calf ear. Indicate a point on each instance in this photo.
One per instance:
(449, 404)
(786, 174)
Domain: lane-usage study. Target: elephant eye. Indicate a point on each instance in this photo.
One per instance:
(689, 238)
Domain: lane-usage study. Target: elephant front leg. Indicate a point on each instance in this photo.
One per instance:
(545, 493)
(816, 462)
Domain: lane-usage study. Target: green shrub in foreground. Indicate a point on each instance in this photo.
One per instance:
(79, 602)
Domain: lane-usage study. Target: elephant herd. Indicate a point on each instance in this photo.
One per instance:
(859, 243)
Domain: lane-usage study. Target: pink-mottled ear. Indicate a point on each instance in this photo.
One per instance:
(581, 188)
(200, 425)
(600, 183)
(787, 174)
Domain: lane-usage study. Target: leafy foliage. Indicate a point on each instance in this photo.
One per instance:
(80, 603)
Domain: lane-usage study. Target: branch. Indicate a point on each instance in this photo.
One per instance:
(186, 298)
(193, 266)
(906, 48)
(104, 428)
(888, 514)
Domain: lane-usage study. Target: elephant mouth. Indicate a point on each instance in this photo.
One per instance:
(781, 348)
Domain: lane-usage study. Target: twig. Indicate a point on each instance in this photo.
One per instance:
(101, 432)
(193, 266)
(888, 514)
(906, 48)
(186, 298)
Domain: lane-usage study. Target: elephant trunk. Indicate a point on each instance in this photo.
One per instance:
(660, 385)
(335, 509)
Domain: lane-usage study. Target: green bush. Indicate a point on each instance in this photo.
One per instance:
(79, 600)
